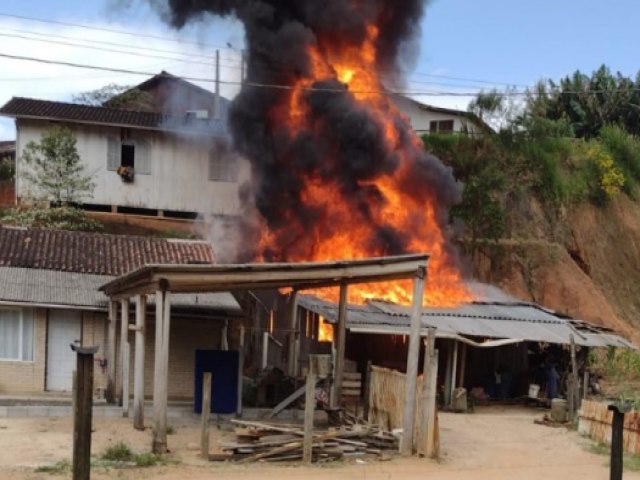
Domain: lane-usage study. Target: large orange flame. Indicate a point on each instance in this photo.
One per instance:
(411, 212)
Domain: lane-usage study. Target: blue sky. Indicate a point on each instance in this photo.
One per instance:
(506, 42)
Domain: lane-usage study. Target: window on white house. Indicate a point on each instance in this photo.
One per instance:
(222, 168)
(129, 153)
(16, 334)
(441, 126)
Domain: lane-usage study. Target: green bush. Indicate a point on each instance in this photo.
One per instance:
(625, 150)
(120, 452)
(57, 468)
(62, 218)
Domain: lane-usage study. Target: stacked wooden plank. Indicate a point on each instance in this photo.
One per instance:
(268, 442)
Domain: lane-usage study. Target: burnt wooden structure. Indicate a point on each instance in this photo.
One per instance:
(165, 280)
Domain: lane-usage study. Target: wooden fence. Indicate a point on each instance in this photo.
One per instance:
(595, 422)
(386, 400)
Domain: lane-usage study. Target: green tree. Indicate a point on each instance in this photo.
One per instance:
(116, 96)
(54, 168)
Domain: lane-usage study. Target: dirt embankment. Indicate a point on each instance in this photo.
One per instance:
(586, 263)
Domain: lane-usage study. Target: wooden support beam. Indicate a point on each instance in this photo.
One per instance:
(265, 350)
(406, 446)
(572, 394)
(309, 413)
(454, 371)
(462, 365)
(341, 337)
(111, 353)
(432, 425)
(447, 374)
(126, 356)
(293, 332)
(138, 374)
(367, 391)
(124, 339)
(427, 396)
(160, 380)
(206, 413)
(83, 412)
(240, 371)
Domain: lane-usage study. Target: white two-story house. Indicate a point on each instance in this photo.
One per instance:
(175, 150)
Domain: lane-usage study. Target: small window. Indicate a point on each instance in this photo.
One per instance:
(135, 154)
(441, 126)
(222, 168)
(16, 335)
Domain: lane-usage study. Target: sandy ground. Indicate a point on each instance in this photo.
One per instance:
(492, 444)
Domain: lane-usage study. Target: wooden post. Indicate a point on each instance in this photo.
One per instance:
(617, 434)
(429, 347)
(573, 382)
(161, 371)
(341, 334)
(111, 353)
(406, 446)
(309, 412)
(454, 371)
(126, 355)
(83, 412)
(367, 391)
(265, 350)
(432, 425)
(138, 373)
(124, 339)
(206, 413)
(585, 384)
(293, 332)
(447, 374)
(240, 371)
(462, 365)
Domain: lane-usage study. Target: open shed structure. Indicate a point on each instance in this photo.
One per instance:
(477, 340)
(165, 280)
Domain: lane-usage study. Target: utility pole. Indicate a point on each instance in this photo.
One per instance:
(217, 115)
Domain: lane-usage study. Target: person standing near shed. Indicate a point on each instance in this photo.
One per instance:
(551, 378)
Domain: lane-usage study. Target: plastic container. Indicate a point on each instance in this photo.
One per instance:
(559, 410)
(534, 390)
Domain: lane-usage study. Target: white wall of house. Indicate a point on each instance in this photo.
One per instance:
(178, 178)
(421, 117)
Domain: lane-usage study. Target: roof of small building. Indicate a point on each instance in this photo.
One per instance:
(30, 108)
(496, 320)
(95, 253)
(57, 289)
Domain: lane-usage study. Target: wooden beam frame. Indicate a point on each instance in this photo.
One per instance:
(138, 373)
(124, 340)
(111, 353)
(406, 446)
(161, 371)
(224, 278)
(341, 337)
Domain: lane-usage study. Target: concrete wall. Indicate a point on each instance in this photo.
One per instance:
(187, 336)
(179, 171)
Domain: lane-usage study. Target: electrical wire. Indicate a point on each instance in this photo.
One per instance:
(236, 50)
(510, 93)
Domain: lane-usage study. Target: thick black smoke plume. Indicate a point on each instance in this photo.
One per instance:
(346, 144)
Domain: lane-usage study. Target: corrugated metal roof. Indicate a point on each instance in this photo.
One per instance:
(523, 321)
(51, 287)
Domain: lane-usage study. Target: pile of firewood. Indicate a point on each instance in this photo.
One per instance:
(278, 443)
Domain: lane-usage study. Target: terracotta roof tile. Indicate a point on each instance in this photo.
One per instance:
(20, 107)
(94, 253)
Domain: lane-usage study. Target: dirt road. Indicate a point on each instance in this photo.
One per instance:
(492, 444)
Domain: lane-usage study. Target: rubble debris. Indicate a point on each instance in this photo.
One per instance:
(266, 442)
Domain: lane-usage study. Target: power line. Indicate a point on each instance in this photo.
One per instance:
(117, 31)
(236, 50)
(510, 93)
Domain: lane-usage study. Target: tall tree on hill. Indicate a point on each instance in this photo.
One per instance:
(54, 169)
(589, 103)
